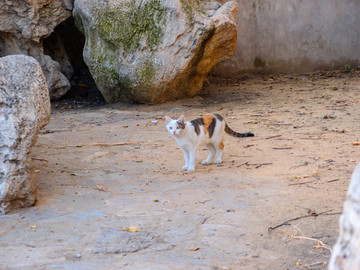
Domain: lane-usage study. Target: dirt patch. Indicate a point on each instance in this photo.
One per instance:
(104, 169)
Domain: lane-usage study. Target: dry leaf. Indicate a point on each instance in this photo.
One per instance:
(131, 229)
(134, 229)
(300, 177)
(36, 171)
(194, 248)
(355, 143)
(101, 188)
(33, 227)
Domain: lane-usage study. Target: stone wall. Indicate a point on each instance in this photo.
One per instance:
(294, 36)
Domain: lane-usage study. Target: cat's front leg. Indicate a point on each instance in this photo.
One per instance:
(187, 158)
(192, 154)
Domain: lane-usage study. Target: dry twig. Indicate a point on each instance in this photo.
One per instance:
(40, 159)
(272, 137)
(319, 245)
(313, 214)
(111, 144)
(302, 183)
(316, 264)
(257, 165)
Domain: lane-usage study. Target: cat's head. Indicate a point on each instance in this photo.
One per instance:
(175, 126)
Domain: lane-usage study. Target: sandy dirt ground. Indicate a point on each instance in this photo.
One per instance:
(111, 193)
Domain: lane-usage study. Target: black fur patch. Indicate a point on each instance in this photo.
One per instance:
(211, 127)
(229, 131)
(197, 123)
(180, 124)
(218, 116)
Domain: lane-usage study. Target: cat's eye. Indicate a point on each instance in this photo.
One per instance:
(170, 127)
(178, 127)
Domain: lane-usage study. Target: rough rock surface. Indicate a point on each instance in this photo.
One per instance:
(24, 109)
(346, 253)
(24, 25)
(154, 51)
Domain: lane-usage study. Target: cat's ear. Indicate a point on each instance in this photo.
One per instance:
(182, 118)
(167, 119)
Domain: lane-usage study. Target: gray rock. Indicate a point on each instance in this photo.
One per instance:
(346, 252)
(154, 51)
(24, 25)
(24, 109)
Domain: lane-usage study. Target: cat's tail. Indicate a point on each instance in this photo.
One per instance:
(229, 131)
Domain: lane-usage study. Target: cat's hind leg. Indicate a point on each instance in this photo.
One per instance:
(212, 151)
(220, 149)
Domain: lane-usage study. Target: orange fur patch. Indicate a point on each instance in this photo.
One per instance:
(221, 146)
(207, 121)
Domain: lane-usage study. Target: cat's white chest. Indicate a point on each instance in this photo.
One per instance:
(183, 142)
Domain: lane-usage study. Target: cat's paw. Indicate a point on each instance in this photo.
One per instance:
(205, 162)
(190, 169)
(185, 168)
(218, 161)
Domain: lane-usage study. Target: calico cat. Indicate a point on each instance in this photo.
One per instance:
(207, 130)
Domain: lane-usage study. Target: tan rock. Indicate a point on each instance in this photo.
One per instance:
(154, 51)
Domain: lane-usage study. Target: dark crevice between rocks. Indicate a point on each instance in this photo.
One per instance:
(65, 45)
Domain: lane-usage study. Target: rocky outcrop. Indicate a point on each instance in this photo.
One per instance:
(24, 109)
(346, 252)
(24, 25)
(152, 51)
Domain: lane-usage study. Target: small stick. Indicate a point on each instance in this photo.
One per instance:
(105, 144)
(40, 159)
(258, 165)
(320, 244)
(46, 131)
(306, 216)
(246, 163)
(279, 124)
(337, 179)
(205, 219)
(320, 264)
(302, 183)
(282, 148)
(271, 137)
(111, 144)
(314, 139)
(249, 145)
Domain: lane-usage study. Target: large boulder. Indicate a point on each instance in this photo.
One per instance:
(346, 252)
(24, 109)
(152, 51)
(23, 27)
